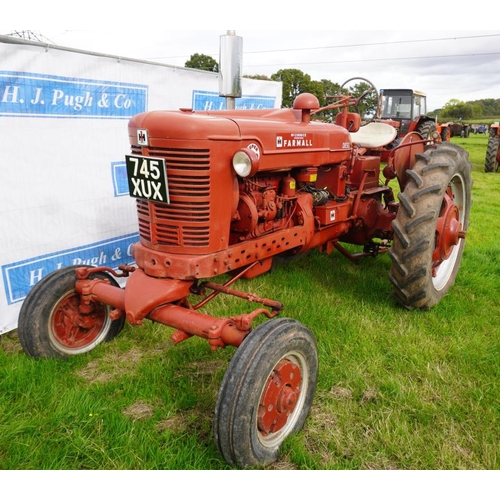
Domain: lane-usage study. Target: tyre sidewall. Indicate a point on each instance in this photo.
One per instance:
(243, 385)
(35, 317)
(411, 272)
(491, 163)
(426, 128)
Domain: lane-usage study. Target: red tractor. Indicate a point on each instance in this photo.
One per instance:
(227, 192)
(406, 110)
(492, 160)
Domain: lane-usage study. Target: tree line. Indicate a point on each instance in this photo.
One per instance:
(460, 110)
(295, 82)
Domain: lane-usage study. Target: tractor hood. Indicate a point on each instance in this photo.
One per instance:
(274, 131)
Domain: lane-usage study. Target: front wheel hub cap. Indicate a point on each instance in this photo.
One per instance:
(279, 397)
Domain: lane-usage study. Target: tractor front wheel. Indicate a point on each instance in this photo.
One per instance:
(446, 134)
(430, 226)
(492, 160)
(52, 324)
(266, 393)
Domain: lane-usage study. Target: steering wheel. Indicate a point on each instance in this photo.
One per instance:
(357, 100)
(346, 101)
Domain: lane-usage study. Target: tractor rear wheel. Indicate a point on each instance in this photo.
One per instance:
(266, 393)
(491, 163)
(430, 226)
(51, 324)
(426, 129)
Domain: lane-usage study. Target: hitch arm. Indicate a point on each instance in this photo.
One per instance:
(251, 297)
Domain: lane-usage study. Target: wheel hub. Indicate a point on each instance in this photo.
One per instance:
(73, 329)
(279, 397)
(448, 232)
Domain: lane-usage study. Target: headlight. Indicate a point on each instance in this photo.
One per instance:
(245, 162)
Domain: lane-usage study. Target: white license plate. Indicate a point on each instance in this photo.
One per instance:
(147, 178)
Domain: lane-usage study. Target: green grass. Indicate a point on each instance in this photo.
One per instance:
(396, 389)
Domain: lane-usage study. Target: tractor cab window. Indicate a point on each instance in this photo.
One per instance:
(419, 106)
(396, 107)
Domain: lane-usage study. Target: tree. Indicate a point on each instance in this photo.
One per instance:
(368, 105)
(456, 109)
(330, 88)
(491, 107)
(294, 81)
(203, 62)
(325, 95)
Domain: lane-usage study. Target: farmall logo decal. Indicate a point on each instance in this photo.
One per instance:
(293, 141)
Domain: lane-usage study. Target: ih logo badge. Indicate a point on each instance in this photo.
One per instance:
(142, 137)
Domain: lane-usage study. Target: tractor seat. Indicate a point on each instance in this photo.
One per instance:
(374, 135)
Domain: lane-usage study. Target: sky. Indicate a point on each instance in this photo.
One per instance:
(445, 64)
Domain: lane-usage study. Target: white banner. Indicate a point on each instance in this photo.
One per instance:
(63, 186)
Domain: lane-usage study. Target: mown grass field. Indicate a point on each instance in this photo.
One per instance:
(397, 389)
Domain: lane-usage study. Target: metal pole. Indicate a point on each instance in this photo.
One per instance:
(230, 62)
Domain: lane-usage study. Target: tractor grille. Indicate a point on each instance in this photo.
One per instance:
(184, 222)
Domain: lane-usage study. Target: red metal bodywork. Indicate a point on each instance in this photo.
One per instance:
(313, 189)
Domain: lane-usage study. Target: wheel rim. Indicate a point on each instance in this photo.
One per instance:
(282, 399)
(449, 232)
(74, 332)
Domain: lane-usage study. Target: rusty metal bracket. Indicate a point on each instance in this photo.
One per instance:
(251, 297)
(83, 273)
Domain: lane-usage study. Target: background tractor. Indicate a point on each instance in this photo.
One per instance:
(406, 110)
(492, 160)
(459, 129)
(225, 193)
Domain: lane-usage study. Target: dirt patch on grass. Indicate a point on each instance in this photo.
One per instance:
(139, 411)
(341, 392)
(283, 464)
(369, 396)
(111, 367)
(9, 343)
(322, 418)
(177, 423)
(205, 367)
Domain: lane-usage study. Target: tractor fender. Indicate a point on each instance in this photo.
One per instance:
(404, 156)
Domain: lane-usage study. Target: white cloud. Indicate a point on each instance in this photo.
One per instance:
(446, 64)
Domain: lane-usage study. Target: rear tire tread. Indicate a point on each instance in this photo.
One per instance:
(415, 225)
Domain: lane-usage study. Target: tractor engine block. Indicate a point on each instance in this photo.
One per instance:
(266, 204)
